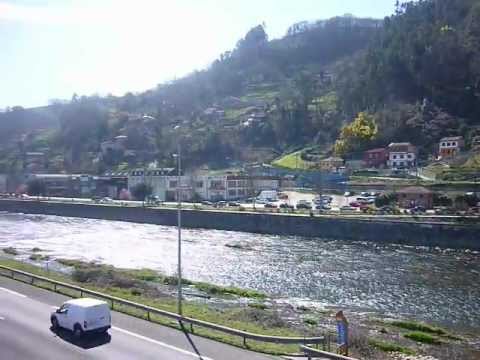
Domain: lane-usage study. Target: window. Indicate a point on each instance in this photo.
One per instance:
(444, 144)
(454, 144)
(421, 196)
(394, 163)
(232, 193)
(410, 156)
(402, 156)
(172, 184)
(241, 192)
(448, 144)
(232, 183)
(394, 156)
(199, 184)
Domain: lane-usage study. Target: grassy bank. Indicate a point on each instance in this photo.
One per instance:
(139, 286)
(250, 311)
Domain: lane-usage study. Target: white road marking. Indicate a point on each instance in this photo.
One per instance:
(160, 343)
(13, 292)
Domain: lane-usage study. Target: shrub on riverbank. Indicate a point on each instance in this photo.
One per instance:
(416, 326)
(10, 251)
(423, 338)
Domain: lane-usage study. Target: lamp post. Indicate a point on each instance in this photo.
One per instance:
(179, 225)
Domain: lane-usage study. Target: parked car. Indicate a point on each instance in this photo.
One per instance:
(303, 204)
(220, 204)
(106, 200)
(84, 315)
(323, 207)
(233, 204)
(348, 193)
(270, 206)
(365, 193)
(374, 194)
(347, 208)
(207, 203)
(355, 204)
(286, 206)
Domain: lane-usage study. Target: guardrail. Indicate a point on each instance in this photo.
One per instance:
(31, 278)
(314, 353)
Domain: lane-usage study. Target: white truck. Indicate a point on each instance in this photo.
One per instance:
(82, 316)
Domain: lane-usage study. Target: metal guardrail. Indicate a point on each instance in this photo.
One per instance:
(9, 272)
(314, 353)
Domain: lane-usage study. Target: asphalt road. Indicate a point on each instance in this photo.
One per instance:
(25, 334)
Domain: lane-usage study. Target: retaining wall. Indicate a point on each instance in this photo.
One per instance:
(381, 231)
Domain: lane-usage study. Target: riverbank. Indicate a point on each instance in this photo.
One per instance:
(372, 337)
(462, 235)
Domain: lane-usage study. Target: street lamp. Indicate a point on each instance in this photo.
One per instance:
(179, 224)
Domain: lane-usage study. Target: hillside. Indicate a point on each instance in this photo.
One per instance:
(251, 104)
(413, 77)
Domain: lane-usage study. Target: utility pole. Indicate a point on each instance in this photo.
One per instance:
(179, 225)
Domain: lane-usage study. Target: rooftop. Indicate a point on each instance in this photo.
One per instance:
(452, 138)
(415, 190)
(85, 302)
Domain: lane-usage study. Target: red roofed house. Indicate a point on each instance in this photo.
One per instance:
(412, 196)
(402, 155)
(375, 158)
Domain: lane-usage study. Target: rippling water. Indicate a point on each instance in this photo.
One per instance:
(430, 284)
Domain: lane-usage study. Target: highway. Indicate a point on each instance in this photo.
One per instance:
(25, 334)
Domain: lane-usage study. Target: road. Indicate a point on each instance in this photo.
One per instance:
(25, 334)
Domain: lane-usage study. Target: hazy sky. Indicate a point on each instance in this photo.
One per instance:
(53, 48)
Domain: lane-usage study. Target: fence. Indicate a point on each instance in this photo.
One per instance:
(31, 278)
(315, 353)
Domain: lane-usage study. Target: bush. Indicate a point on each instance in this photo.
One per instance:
(415, 326)
(385, 199)
(10, 250)
(422, 338)
(390, 347)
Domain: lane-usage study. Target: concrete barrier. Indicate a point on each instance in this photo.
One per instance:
(456, 236)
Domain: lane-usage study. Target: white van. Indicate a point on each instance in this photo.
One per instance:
(81, 316)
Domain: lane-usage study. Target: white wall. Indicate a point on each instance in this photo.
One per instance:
(3, 183)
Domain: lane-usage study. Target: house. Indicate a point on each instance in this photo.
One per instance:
(412, 196)
(450, 146)
(159, 180)
(375, 158)
(401, 156)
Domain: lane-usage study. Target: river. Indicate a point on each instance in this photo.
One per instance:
(440, 286)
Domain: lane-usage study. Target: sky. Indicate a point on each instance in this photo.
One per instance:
(50, 49)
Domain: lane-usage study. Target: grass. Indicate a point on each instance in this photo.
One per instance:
(10, 250)
(292, 161)
(245, 318)
(390, 347)
(416, 326)
(423, 338)
(311, 322)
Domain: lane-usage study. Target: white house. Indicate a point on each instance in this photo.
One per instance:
(401, 155)
(451, 146)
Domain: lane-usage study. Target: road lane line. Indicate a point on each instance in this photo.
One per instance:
(160, 343)
(13, 292)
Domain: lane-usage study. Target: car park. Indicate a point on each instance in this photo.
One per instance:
(81, 316)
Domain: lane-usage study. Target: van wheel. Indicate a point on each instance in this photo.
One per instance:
(77, 331)
(54, 322)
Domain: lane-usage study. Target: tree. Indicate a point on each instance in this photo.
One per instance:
(36, 187)
(141, 192)
(357, 135)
